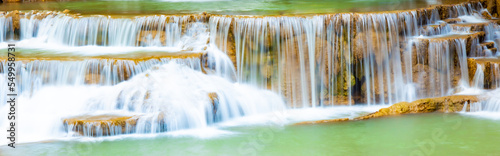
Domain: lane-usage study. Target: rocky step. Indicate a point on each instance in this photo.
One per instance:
(101, 125)
(434, 29)
(485, 49)
(112, 124)
(484, 72)
(470, 27)
(447, 104)
(488, 44)
(452, 20)
(470, 40)
(452, 36)
(496, 20)
(486, 14)
(490, 52)
(131, 56)
(493, 50)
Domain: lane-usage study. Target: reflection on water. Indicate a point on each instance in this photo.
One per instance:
(254, 7)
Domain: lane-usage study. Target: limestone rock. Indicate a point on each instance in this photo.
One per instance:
(447, 104)
(214, 99)
(490, 68)
(452, 20)
(102, 125)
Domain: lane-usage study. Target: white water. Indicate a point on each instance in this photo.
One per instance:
(6, 30)
(175, 90)
(489, 108)
(173, 95)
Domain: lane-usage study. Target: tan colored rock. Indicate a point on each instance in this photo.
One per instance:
(447, 104)
(214, 99)
(486, 15)
(337, 100)
(490, 68)
(101, 125)
(452, 20)
(488, 44)
(16, 23)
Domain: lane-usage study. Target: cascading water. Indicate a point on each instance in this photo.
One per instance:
(6, 30)
(320, 60)
(478, 81)
(36, 74)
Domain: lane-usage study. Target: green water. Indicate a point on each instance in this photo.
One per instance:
(240, 7)
(426, 134)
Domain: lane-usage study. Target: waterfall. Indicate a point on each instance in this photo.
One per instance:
(313, 61)
(478, 81)
(318, 60)
(489, 107)
(159, 95)
(247, 64)
(186, 102)
(495, 75)
(37, 74)
(158, 30)
(7, 31)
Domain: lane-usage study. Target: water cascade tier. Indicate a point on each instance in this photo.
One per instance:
(117, 75)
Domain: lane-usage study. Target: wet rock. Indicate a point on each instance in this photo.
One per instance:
(452, 20)
(488, 44)
(151, 37)
(214, 99)
(337, 100)
(16, 23)
(102, 125)
(486, 15)
(472, 27)
(92, 78)
(490, 67)
(447, 104)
